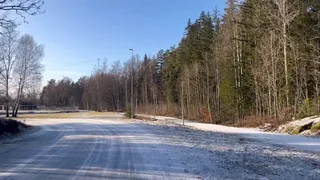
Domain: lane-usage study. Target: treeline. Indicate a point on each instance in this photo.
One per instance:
(261, 58)
(102, 91)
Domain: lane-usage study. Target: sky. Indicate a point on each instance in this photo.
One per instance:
(78, 32)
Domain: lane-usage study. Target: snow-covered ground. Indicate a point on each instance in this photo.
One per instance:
(223, 153)
(299, 142)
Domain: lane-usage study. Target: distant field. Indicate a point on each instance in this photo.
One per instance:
(86, 114)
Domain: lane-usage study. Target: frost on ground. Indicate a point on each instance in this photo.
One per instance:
(215, 155)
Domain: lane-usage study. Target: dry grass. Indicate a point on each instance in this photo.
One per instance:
(160, 109)
(258, 121)
(89, 114)
(249, 121)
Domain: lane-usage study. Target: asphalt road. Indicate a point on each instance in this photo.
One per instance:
(119, 149)
(77, 149)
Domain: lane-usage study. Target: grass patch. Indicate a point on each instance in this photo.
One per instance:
(145, 118)
(297, 130)
(251, 121)
(315, 127)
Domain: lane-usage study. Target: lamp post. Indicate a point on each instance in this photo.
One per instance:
(98, 89)
(132, 108)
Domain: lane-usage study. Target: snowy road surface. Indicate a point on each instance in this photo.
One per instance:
(114, 148)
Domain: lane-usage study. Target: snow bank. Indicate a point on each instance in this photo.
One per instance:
(302, 126)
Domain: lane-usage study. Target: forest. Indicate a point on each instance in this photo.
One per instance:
(257, 62)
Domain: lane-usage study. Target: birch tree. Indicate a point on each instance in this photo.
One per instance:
(283, 17)
(8, 50)
(28, 68)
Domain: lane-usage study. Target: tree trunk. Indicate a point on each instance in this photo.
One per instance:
(285, 62)
(208, 92)
(7, 97)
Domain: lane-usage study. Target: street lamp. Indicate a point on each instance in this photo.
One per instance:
(132, 108)
(98, 89)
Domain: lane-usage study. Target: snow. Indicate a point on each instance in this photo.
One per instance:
(304, 121)
(298, 142)
(219, 152)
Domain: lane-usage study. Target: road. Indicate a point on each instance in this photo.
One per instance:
(114, 148)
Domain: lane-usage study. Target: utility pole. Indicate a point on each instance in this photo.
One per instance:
(126, 94)
(132, 108)
(154, 104)
(87, 100)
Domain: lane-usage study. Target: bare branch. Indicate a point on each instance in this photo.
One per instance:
(22, 8)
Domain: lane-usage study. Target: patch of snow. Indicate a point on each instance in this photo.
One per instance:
(307, 120)
(299, 142)
(218, 152)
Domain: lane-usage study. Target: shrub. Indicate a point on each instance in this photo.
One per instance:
(11, 126)
(289, 129)
(307, 108)
(206, 115)
(285, 116)
(315, 127)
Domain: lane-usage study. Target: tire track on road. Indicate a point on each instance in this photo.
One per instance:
(36, 157)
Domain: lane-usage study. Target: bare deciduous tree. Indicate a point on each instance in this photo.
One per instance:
(286, 13)
(7, 61)
(28, 68)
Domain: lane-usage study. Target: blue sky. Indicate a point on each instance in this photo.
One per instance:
(78, 32)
